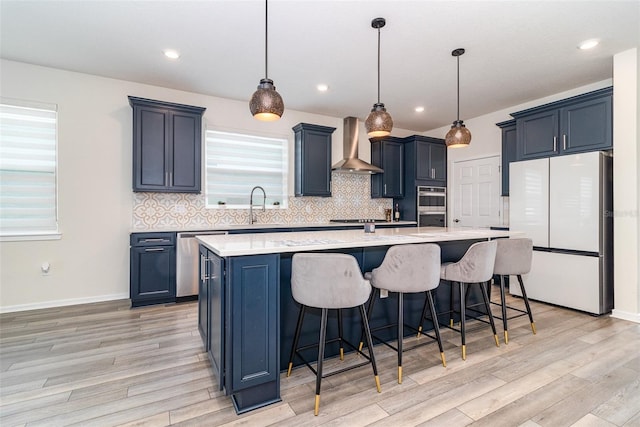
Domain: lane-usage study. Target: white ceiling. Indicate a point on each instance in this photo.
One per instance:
(516, 50)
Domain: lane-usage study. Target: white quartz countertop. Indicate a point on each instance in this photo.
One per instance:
(301, 241)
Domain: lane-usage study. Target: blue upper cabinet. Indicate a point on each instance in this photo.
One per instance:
(313, 160)
(577, 124)
(509, 154)
(167, 146)
(388, 153)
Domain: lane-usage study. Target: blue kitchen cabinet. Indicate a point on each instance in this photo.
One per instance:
(509, 151)
(578, 124)
(312, 160)
(244, 323)
(153, 268)
(425, 164)
(388, 153)
(167, 146)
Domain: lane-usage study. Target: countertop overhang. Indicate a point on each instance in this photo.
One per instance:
(270, 243)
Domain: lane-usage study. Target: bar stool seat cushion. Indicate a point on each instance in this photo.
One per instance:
(513, 256)
(328, 281)
(476, 266)
(408, 268)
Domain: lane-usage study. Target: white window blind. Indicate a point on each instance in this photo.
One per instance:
(28, 140)
(236, 163)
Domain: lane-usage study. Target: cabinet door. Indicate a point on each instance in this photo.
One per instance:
(508, 155)
(217, 312)
(392, 163)
(438, 156)
(253, 321)
(424, 171)
(538, 135)
(587, 126)
(153, 276)
(203, 297)
(151, 128)
(313, 160)
(185, 155)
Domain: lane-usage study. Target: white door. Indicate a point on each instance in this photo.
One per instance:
(476, 193)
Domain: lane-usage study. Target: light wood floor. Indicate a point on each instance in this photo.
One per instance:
(106, 365)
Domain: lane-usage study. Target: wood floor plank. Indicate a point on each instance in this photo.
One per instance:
(105, 364)
(576, 405)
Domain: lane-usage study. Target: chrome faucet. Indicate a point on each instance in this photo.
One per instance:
(253, 220)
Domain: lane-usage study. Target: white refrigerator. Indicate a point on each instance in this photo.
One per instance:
(565, 205)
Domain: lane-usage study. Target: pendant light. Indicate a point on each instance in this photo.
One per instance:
(379, 123)
(266, 104)
(458, 135)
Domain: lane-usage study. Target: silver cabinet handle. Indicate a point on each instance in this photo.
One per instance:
(201, 268)
(555, 143)
(564, 141)
(154, 250)
(385, 189)
(156, 240)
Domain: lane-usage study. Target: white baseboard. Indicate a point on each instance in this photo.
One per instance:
(62, 303)
(625, 315)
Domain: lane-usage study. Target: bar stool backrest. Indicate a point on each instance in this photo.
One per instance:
(328, 280)
(476, 266)
(513, 256)
(409, 268)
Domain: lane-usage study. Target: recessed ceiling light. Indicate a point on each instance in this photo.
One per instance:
(588, 44)
(322, 87)
(171, 54)
(419, 109)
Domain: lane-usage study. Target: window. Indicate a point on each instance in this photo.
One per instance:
(28, 146)
(236, 163)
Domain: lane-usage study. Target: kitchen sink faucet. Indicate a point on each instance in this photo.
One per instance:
(252, 219)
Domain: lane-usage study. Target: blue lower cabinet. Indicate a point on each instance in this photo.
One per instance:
(244, 323)
(152, 276)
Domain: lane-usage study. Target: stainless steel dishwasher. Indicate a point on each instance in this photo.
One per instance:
(187, 262)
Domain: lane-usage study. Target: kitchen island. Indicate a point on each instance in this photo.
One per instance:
(247, 315)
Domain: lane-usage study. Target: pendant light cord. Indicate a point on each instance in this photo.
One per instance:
(378, 65)
(458, 58)
(266, 35)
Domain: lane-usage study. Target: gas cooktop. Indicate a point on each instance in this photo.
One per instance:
(361, 220)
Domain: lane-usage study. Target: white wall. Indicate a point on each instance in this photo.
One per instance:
(626, 191)
(91, 261)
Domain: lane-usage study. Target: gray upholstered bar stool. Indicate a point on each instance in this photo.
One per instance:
(475, 268)
(408, 269)
(513, 257)
(329, 281)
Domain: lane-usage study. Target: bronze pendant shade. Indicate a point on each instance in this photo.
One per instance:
(458, 135)
(379, 122)
(266, 103)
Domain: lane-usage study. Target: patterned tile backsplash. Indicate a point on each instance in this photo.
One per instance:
(182, 211)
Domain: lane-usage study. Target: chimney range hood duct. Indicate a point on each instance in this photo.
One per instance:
(351, 163)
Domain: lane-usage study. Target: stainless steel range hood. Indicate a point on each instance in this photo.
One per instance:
(351, 163)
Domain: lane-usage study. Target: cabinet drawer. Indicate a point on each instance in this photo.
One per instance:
(152, 239)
